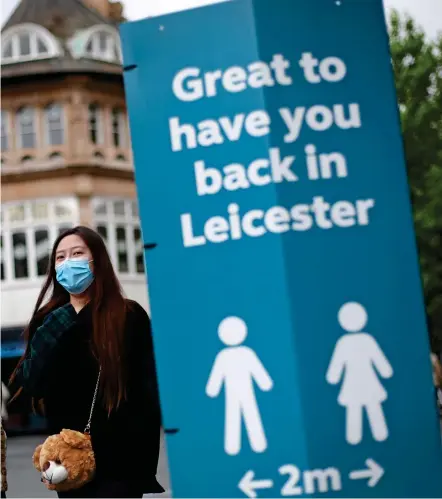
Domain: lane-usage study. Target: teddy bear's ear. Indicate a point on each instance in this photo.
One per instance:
(76, 439)
(36, 458)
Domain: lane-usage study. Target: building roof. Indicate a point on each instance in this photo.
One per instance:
(63, 19)
(74, 15)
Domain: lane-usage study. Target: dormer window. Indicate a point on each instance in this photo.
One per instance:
(27, 42)
(103, 44)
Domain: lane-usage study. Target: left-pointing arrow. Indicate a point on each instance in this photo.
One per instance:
(250, 486)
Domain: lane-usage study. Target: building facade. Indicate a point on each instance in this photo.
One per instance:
(65, 148)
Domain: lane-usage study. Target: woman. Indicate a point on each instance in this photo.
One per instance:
(86, 325)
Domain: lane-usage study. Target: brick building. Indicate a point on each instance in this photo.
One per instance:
(65, 148)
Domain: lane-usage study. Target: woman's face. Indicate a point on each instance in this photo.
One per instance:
(74, 248)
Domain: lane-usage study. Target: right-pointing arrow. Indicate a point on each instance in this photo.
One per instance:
(374, 473)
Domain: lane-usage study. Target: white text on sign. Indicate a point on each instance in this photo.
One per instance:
(316, 481)
(192, 84)
(211, 132)
(277, 220)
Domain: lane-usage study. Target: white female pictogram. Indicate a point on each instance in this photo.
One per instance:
(237, 367)
(360, 361)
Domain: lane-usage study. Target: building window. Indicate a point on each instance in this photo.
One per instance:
(95, 124)
(65, 208)
(24, 44)
(27, 42)
(16, 213)
(29, 230)
(102, 230)
(4, 133)
(122, 250)
(104, 46)
(42, 250)
(20, 254)
(7, 52)
(54, 125)
(100, 208)
(39, 210)
(119, 208)
(134, 209)
(61, 229)
(2, 258)
(118, 128)
(117, 221)
(26, 128)
(139, 256)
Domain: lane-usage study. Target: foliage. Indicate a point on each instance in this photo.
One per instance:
(417, 64)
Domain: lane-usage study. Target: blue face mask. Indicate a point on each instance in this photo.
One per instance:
(74, 275)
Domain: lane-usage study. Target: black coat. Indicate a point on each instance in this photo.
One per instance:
(126, 443)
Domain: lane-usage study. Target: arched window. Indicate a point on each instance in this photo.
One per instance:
(95, 124)
(54, 121)
(103, 45)
(26, 128)
(27, 42)
(118, 128)
(4, 132)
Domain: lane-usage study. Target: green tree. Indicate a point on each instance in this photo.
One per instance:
(417, 64)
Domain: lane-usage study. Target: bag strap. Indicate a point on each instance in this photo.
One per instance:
(87, 430)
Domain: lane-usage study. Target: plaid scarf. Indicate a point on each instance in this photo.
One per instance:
(31, 372)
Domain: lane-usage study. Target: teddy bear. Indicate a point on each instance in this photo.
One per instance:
(66, 461)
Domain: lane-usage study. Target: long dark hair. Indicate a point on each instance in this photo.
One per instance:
(108, 307)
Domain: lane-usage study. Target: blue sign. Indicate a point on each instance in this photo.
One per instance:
(286, 300)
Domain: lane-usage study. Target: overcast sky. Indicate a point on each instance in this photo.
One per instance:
(428, 13)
